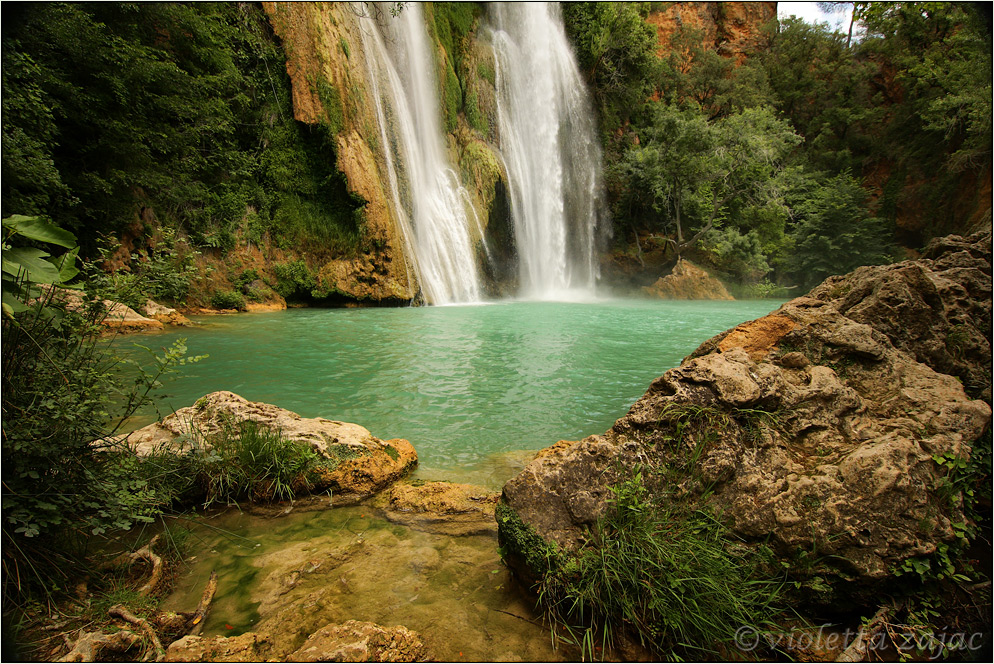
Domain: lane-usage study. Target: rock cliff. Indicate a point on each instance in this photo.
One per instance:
(733, 29)
(829, 430)
(331, 90)
(325, 65)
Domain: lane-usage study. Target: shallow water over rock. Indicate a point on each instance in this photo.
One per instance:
(290, 575)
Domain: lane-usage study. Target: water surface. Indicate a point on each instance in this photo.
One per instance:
(467, 385)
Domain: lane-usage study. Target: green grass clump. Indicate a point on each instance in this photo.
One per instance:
(247, 460)
(667, 576)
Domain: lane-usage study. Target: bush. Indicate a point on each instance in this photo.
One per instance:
(293, 279)
(65, 476)
(228, 300)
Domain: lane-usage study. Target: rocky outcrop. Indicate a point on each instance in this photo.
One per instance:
(165, 315)
(733, 29)
(113, 316)
(687, 282)
(826, 430)
(353, 641)
(365, 464)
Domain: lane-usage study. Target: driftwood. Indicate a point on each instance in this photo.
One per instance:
(119, 611)
(90, 646)
(196, 620)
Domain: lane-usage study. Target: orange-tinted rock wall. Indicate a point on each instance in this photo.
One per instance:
(734, 29)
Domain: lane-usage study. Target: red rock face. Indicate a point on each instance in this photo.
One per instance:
(734, 29)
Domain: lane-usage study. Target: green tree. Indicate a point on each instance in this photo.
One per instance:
(615, 49)
(833, 232)
(698, 174)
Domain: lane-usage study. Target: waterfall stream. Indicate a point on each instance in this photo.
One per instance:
(429, 202)
(549, 144)
(547, 140)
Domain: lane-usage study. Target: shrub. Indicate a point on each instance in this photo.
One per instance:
(65, 477)
(293, 279)
(228, 300)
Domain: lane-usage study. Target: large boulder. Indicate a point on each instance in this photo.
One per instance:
(365, 464)
(687, 282)
(826, 430)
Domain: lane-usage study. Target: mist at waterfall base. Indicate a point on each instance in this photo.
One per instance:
(547, 141)
(470, 386)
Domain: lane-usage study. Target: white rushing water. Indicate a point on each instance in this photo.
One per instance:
(549, 143)
(428, 199)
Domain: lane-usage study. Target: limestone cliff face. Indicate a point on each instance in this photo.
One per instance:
(326, 67)
(734, 29)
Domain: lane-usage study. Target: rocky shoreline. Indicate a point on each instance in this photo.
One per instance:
(834, 431)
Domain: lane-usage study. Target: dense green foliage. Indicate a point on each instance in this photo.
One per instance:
(112, 110)
(62, 391)
(904, 111)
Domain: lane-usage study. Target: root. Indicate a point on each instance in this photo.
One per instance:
(118, 611)
(205, 603)
(144, 553)
(90, 646)
(857, 650)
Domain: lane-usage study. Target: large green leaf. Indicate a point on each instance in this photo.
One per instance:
(33, 262)
(37, 228)
(11, 304)
(67, 265)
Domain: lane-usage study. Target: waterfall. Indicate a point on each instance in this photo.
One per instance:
(549, 143)
(430, 203)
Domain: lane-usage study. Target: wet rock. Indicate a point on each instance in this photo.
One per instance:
(356, 641)
(365, 464)
(815, 429)
(441, 507)
(687, 282)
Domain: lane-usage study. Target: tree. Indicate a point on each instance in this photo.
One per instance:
(700, 173)
(833, 232)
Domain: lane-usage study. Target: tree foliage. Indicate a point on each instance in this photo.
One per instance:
(114, 109)
(904, 109)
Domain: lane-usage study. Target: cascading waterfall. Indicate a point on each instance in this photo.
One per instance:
(549, 144)
(427, 197)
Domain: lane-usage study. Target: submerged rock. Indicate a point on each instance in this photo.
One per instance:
(822, 430)
(688, 282)
(365, 465)
(440, 507)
